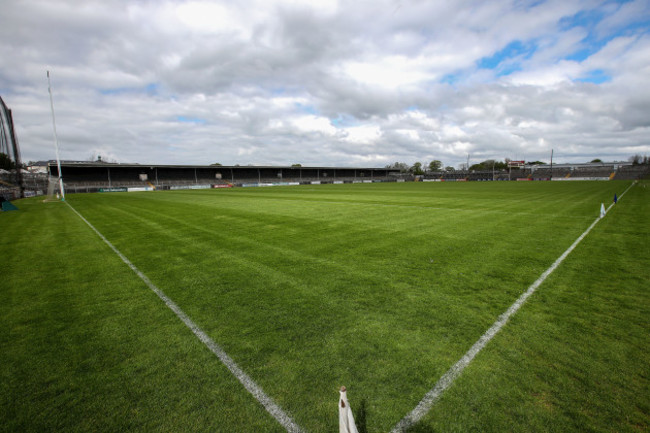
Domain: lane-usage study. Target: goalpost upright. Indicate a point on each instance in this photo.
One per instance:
(56, 140)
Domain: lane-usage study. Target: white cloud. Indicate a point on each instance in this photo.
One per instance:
(207, 17)
(327, 82)
(389, 72)
(559, 72)
(314, 124)
(620, 16)
(362, 134)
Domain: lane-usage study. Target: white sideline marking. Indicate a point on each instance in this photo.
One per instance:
(250, 385)
(455, 371)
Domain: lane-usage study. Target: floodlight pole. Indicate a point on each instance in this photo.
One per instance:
(56, 140)
(551, 178)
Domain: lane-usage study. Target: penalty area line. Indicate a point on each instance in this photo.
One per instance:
(248, 383)
(447, 379)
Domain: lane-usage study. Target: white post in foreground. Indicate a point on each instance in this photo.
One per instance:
(602, 210)
(56, 139)
(346, 420)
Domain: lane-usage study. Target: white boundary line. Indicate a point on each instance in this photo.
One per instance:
(455, 371)
(250, 385)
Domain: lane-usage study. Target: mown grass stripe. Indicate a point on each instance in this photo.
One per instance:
(447, 379)
(248, 383)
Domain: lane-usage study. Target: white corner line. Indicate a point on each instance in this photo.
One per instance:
(250, 385)
(456, 370)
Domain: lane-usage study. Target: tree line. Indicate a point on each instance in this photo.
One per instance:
(488, 165)
(437, 166)
(418, 168)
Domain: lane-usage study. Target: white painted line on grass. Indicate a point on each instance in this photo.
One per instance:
(455, 371)
(250, 385)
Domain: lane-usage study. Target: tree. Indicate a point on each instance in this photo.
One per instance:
(489, 165)
(296, 165)
(399, 166)
(416, 169)
(435, 165)
(635, 160)
(216, 164)
(596, 160)
(450, 168)
(6, 163)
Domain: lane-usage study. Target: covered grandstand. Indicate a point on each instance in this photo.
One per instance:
(93, 176)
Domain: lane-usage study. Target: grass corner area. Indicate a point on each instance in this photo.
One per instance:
(576, 356)
(378, 287)
(85, 346)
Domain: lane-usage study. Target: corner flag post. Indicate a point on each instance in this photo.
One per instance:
(346, 419)
(56, 140)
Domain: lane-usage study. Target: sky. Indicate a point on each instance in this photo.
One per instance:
(328, 83)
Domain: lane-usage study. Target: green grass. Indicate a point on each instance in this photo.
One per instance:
(379, 287)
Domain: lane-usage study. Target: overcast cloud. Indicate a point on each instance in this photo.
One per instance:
(325, 82)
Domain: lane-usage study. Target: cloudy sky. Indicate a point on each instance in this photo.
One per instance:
(326, 82)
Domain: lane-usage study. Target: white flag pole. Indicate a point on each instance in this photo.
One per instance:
(346, 420)
(56, 139)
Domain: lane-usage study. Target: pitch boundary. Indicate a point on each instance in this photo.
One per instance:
(253, 388)
(447, 379)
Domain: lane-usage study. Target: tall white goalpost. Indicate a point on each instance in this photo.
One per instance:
(56, 139)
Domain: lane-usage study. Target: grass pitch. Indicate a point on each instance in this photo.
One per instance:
(379, 287)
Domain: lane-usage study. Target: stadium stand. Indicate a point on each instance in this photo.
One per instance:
(93, 176)
(90, 177)
(632, 172)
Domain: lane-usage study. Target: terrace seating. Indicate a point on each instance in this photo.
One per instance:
(604, 171)
(542, 173)
(632, 172)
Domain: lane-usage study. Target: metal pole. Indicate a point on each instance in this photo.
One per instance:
(551, 178)
(56, 139)
(14, 144)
